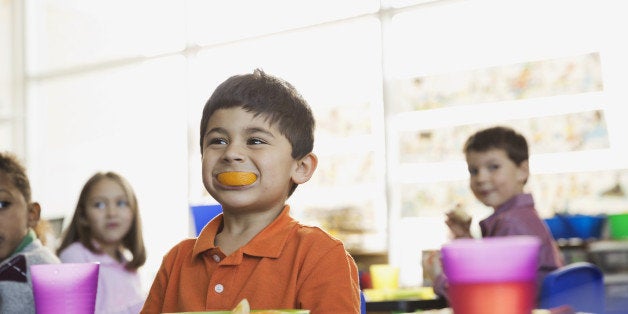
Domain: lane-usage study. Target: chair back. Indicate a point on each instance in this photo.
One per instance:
(579, 285)
(202, 214)
(362, 302)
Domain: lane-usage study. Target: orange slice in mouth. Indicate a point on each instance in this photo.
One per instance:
(237, 178)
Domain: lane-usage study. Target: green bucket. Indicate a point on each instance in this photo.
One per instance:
(618, 225)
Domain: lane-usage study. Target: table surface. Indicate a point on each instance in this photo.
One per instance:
(406, 305)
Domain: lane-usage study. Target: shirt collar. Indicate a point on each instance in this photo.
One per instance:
(268, 243)
(28, 239)
(520, 200)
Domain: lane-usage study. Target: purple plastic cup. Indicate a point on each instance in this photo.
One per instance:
(65, 288)
(492, 275)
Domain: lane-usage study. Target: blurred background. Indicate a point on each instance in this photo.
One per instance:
(396, 87)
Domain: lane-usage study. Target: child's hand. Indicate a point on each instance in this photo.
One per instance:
(432, 265)
(459, 222)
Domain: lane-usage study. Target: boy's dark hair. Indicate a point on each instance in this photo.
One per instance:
(270, 97)
(499, 137)
(80, 231)
(13, 168)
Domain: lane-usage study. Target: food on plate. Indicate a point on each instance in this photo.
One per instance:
(242, 308)
(237, 178)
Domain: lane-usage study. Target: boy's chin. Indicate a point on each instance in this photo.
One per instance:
(235, 202)
(488, 202)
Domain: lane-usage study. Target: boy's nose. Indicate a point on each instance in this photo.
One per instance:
(233, 152)
(482, 175)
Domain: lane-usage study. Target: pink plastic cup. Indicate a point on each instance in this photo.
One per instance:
(492, 275)
(65, 288)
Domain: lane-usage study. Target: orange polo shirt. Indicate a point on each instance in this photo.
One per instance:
(286, 266)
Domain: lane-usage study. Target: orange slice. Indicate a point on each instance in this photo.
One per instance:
(237, 178)
(242, 308)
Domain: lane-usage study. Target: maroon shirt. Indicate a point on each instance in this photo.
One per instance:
(519, 217)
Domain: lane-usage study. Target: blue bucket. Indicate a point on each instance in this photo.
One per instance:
(559, 227)
(576, 226)
(587, 226)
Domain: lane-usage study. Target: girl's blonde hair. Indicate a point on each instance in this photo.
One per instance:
(80, 231)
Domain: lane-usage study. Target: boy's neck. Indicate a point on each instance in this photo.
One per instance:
(238, 230)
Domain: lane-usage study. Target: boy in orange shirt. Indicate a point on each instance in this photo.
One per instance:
(257, 135)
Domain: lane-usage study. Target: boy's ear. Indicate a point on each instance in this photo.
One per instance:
(34, 213)
(524, 171)
(305, 168)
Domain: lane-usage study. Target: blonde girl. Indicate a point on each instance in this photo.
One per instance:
(106, 228)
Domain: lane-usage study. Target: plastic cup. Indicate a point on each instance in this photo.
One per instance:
(384, 276)
(492, 275)
(618, 226)
(65, 288)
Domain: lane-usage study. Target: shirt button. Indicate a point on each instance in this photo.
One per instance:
(216, 258)
(219, 288)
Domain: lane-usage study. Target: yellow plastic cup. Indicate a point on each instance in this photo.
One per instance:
(384, 276)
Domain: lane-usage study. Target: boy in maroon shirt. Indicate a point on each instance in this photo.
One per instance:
(497, 159)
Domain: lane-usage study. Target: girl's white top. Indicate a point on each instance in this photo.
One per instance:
(119, 290)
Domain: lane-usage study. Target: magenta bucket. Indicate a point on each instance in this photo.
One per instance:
(494, 275)
(65, 288)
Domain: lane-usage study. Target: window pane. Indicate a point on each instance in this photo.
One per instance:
(6, 138)
(451, 36)
(219, 21)
(331, 62)
(69, 33)
(5, 100)
(131, 120)
(5, 59)
(404, 3)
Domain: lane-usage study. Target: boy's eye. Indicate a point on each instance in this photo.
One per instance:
(217, 141)
(4, 204)
(493, 167)
(122, 203)
(473, 171)
(255, 141)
